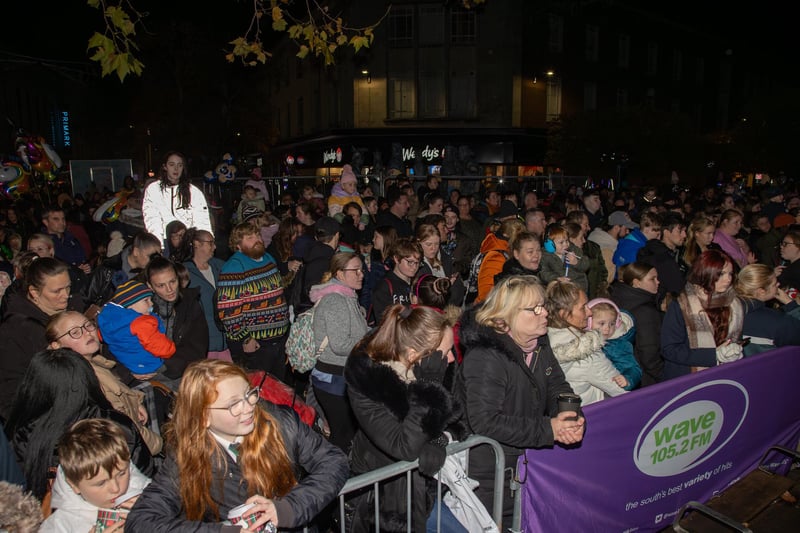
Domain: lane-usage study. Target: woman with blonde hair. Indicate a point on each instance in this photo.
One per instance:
(436, 263)
(730, 223)
(765, 326)
(509, 382)
(229, 448)
(699, 238)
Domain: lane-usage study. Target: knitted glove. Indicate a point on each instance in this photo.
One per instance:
(431, 368)
(432, 456)
(727, 353)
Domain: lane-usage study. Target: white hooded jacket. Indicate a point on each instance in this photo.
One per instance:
(73, 513)
(160, 207)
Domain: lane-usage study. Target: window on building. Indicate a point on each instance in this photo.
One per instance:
(401, 25)
(462, 26)
(300, 117)
(463, 95)
(553, 98)
(590, 96)
(700, 71)
(652, 59)
(402, 99)
(624, 51)
(592, 50)
(622, 97)
(650, 97)
(431, 24)
(677, 65)
(555, 38)
(432, 89)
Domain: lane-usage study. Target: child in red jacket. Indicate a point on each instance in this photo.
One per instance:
(135, 336)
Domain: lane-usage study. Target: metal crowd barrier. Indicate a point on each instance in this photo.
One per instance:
(375, 477)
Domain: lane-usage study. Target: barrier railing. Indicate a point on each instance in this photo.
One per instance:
(392, 471)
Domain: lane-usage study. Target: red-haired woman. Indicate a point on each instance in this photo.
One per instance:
(703, 325)
(227, 448)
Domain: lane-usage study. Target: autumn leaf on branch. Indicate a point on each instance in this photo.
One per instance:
(115, 49)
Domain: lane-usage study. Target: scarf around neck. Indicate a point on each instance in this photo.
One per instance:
(693, 301)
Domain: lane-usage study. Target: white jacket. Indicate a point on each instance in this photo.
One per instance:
(159, 208)
(73, 513)
(586, 367)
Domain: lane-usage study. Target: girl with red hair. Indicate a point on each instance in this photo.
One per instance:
(226, 448)
(703, 326)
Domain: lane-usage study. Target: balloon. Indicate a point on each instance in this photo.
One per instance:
(52, 155)
(10, 170)
(19, 186)
(43, 166)
(110, 210)
(210, 177)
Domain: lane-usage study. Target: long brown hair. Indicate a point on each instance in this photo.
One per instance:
(265, 463)
(705, 272)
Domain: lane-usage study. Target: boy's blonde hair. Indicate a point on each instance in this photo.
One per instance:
(90, 445)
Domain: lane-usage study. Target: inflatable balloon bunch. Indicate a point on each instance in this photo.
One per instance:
(14, 179)
(110, 210)
(38, 156)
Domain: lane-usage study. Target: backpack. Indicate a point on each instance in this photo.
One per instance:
(300, 347)
(474, 270)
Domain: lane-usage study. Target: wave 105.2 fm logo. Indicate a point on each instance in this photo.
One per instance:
(691, 428)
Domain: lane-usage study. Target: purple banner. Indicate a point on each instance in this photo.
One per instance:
(647, 453)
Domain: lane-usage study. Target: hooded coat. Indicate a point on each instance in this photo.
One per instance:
(586, 367)
(505, 399)
(397, 419)
(72, 512)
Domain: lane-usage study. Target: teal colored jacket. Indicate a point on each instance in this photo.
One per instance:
(619, 350)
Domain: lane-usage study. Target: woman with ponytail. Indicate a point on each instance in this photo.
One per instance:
(229, 448)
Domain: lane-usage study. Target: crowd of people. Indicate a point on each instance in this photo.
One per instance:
(129, 345)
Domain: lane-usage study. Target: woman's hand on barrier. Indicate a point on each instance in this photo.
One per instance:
(265, 510)
(567, 431)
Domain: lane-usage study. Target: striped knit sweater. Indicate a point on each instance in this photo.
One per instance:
(250, 299)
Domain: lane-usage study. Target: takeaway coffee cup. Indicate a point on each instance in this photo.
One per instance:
(569, 402)
(242, 516)
(107, 518)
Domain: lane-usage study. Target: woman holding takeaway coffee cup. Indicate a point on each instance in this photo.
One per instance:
(226, 448)
(509, 381)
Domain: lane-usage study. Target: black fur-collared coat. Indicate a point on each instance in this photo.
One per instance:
(396, 420)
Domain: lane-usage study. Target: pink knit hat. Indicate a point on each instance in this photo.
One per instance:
(347, 175)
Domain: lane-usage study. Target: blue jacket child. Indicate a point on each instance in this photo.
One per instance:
(619, 332)
(134, 335)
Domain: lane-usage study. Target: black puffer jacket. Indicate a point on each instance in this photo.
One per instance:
(647, 318)
(320, 468)
(22, 334)
(189, 332)
(396, 421)
(505, 399)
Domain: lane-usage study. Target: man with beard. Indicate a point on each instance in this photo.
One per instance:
(251, 304)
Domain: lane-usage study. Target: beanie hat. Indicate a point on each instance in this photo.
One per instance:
(250, 212)
(507, 209)
(347, 175)
(131, 292)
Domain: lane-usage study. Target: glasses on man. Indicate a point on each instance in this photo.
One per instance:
(410, 262)
(237, 407)
(77, 331)
(536, 309)
(787, 243)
